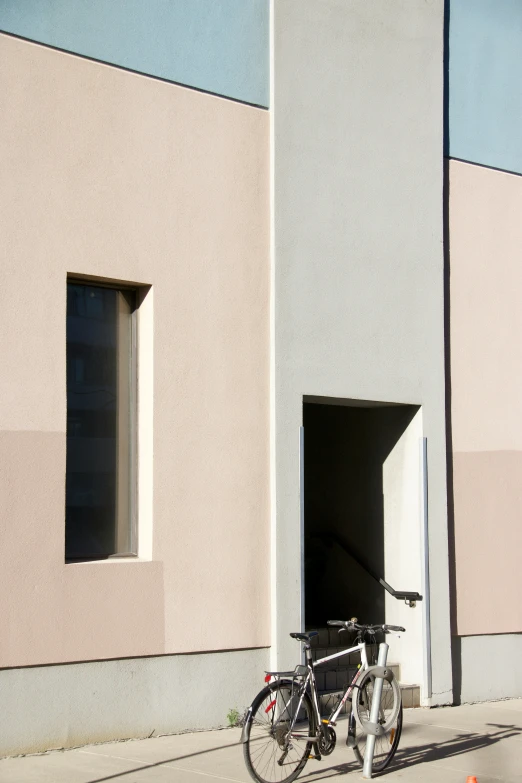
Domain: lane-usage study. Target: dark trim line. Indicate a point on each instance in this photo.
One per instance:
(131, 658)
(485, 166)
(137, 73)
(446, 79)
(486, 634)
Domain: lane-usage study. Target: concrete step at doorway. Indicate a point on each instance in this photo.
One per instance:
(332, 679)
(328, 700)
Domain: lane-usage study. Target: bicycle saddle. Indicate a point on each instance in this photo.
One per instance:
(304, 637)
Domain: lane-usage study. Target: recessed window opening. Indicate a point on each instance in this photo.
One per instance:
(100, 518)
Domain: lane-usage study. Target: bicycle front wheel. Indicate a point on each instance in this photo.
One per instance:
(387, 743)
(277, 747)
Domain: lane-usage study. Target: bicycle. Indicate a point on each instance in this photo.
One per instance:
(283, 727)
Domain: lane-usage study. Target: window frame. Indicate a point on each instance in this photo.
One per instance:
(133, 530)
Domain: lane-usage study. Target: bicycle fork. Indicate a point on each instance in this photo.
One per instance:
(351, 738)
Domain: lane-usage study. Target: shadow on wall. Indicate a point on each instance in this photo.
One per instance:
(456, 654)
(345, 451)
(447, 327)
(456, 666)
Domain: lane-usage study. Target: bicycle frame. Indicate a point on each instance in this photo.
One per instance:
(310, 679)
(363, 667)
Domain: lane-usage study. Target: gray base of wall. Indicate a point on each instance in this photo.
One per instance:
(485, 667)
(74, 704)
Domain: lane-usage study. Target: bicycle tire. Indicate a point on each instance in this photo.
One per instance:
(386, 744)
(272, 708)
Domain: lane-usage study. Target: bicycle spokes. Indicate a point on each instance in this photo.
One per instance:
(279, 738)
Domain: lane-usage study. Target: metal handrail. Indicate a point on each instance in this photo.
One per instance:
(402, 595)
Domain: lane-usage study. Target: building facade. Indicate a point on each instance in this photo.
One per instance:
(484, 243)
(258, 341)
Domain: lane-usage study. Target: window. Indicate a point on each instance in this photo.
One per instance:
(101, 422)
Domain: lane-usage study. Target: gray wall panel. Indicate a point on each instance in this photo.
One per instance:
(64, 706)
(487, 668)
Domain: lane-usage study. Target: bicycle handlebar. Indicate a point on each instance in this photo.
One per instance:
(349, 625)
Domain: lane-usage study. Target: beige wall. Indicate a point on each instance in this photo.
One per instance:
(116, 175)
(486, 382)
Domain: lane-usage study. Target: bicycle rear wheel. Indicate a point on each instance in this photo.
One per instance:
(387, 743)
(271, 756)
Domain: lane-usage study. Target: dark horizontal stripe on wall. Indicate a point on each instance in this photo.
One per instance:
(484, 166)
(137, 73)
(485, 635)
(86, 661)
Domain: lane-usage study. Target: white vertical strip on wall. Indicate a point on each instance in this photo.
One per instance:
(145, 422)
(301, 521)
(427, 689)
(273, 455)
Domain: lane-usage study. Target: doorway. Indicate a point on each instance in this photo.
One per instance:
(362, 501)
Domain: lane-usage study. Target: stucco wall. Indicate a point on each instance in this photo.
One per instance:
(116, 175)
(485, 72)
(495, 653)
(402, 492)
(75, 704)
(485, 234)
(357, 97)
(220, 46)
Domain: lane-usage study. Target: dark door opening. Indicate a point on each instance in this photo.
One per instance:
(345, 447)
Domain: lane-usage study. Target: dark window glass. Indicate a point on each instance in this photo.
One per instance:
(101, 381)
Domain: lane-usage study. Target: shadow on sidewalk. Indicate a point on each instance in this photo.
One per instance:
(405, 757)
(143, 767)
(464, 742)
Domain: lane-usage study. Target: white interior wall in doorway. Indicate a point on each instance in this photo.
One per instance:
(403, 549)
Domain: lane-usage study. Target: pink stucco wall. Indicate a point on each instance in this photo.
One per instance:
(112, 174)
(486, 384)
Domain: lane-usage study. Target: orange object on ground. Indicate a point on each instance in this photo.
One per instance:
(471, 779)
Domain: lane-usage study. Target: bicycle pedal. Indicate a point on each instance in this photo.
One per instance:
(317, 758)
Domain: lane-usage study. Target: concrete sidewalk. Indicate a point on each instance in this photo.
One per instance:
(437, 746)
